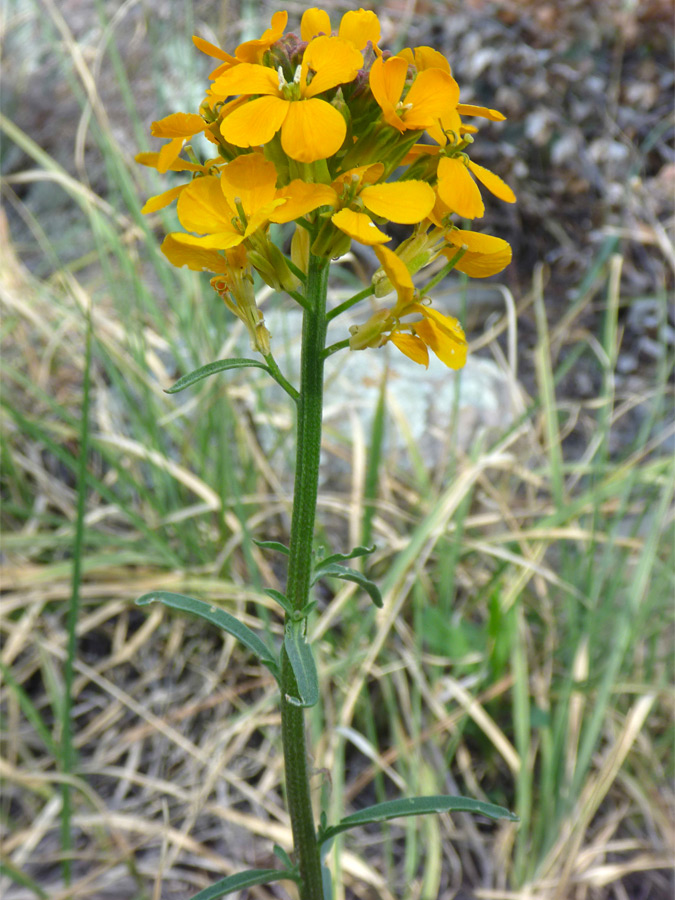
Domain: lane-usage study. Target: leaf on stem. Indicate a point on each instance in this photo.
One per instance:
(303, 665)
(272, 545)
(217, 617)
(249, 878)
(343, 557)
(281, 599)
(333, 570)
(415, 806)
(220, 365)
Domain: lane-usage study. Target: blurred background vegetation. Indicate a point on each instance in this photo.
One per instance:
(522, 510)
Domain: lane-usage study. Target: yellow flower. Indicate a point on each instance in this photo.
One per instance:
(178, 127)
(357, 27)
(459, 192)
(228, 209)
(442, 334)
(433, 93)
(404, 202)
(484, 254)
(311, 128)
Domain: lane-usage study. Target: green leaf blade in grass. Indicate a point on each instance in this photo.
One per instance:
(249, 878)
(416, 806)
(303, 665)
(333, 570)
(217, 617)
(221, 365)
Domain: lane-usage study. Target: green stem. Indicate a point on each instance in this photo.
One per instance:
(309, 406)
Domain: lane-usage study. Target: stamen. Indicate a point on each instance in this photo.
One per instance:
(282, 80)
(298, 74)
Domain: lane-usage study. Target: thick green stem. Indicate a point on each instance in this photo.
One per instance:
(310, 406)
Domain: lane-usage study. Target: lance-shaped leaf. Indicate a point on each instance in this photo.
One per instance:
(334, 570)
(220, 365)
(343, 557)
(217, 617)
(249, 878)
(303, 665)
(281, 599)
(272, 545)
(415, 806)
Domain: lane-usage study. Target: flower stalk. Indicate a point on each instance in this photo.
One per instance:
(323, 134)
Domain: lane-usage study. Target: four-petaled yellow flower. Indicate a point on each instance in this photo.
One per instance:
(433, 93)
(311, 128)
(226, 210)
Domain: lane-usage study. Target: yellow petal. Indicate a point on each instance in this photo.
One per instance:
(418, 150)
(449, 121)
(246, 79)
(203, 208)
(261, 216)
(182, 125)
(255, 122)
(387, 80)
(397, 273)
(359, 27)
(179, 165)
(334, 60)
(360, 227)
(181, 252)
(485, 254)
(428, 58)
(169, 153)
(468, 109)
(301, 198)
(211, 50)
(412, 347)
(159, 201)
(252, 51)
(220, 241)
(313, 129)
(250, 178)
(314, 22)
(492, 182)
(433, 94)
(457, 189)
(444, 335)
(406, 202)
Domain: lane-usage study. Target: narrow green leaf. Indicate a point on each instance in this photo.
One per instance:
(302, 661)
(281, 599)
(217, 617)
(273, 545)
(220, 365)
(283, 857)
(416, 806)
(342, 557)
(336, 571)
(249, 878)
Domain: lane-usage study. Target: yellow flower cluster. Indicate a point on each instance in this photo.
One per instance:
(330, 132)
